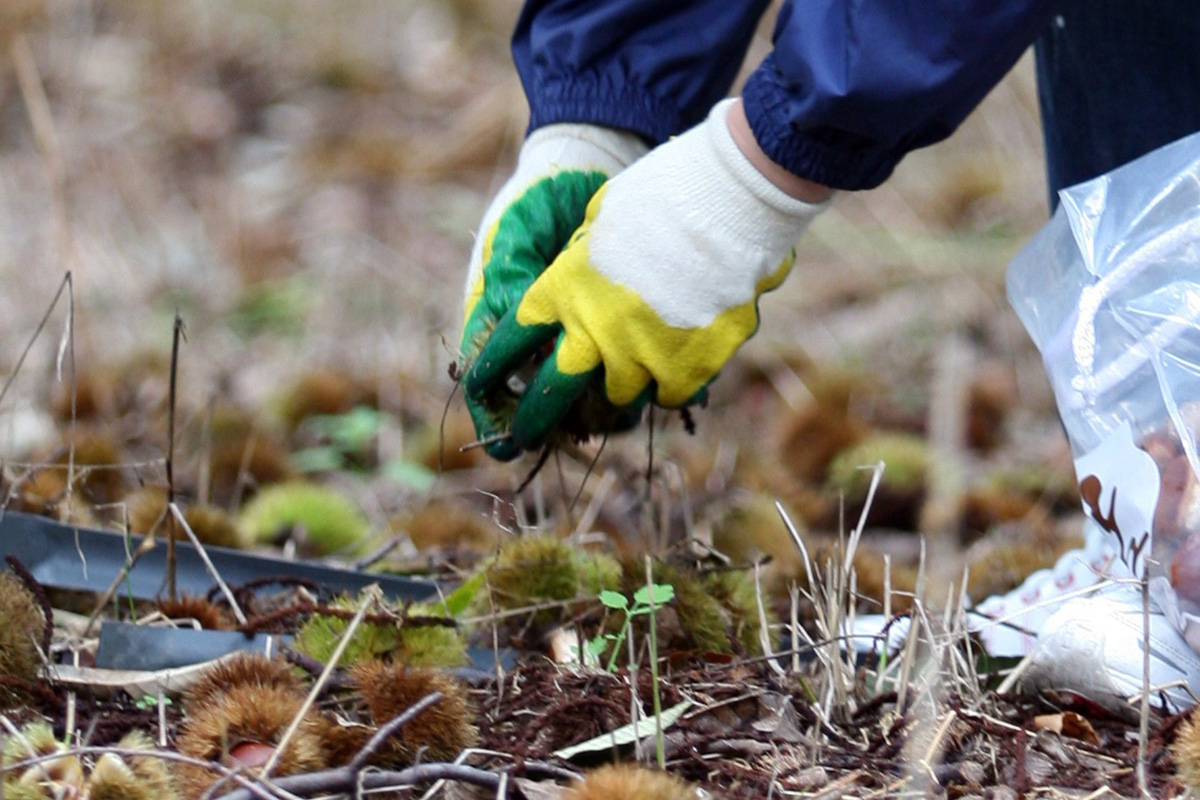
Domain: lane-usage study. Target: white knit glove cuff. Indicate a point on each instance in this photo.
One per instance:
(564, 147)
(759, 210)
(696, 202)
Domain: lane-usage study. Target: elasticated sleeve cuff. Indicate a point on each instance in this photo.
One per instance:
(648, 66)
(628, 108)
(850, 88)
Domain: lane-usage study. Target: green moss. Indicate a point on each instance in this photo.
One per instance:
(905, 457)
(736, 593)
(20, 633)
(597, 572)
(430, 645)
(415, 645)
(531, 570)
(331, 523)
(703, 624)
(1034, 480)
(711, 611)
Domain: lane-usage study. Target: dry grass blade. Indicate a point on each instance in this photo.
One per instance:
(371, 596)
(208, 565)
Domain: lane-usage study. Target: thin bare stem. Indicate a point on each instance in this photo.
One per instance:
(176, 337)
(484, 442)
(1144, 710)
(147, 544)
(371, 595)
(208, 565)
(62, 287)
(442, 430)
(659, 747)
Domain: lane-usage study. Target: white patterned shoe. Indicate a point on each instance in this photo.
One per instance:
(1092, 648)
(1084, 639)
(1008, 624)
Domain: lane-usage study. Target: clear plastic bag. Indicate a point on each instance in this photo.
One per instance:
(1110, 292)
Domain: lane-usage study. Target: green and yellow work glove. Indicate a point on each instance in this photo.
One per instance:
(528, 222)
(656, 289)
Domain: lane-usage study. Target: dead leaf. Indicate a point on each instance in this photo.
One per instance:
(1067, 723)
(627, 733)
(137, 683)
(539, 790)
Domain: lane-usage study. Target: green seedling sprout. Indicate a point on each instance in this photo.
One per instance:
(149, 701)
(645, 601)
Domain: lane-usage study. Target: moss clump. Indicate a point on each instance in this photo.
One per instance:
(323, 392)
(900, 495)
(243, 456)
(534, 570)
(398, 640)
(694, 620)
(738, 595)
(597, 572)
(531, 570)
(711, 613)
(905, 457)
(23, 623)
(444, 525)
(325, 521)
(752, 528)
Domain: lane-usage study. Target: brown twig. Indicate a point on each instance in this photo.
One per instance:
(176, 337)
(345, 779)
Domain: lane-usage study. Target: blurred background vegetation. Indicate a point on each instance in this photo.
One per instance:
(301, 180)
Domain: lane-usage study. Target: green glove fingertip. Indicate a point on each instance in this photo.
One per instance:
(510, 347)
(546, 403)
(500, 444)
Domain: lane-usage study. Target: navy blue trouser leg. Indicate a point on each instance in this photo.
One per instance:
(1116, 79)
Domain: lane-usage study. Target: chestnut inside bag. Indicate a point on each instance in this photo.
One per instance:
(1109, 290)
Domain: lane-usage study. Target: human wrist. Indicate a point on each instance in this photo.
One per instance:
(788, 182)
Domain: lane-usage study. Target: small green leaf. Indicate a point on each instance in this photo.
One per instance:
(612, 599)
(317, 459)
(663, 593)
(417, 477)
(352, 431)
(458, 600)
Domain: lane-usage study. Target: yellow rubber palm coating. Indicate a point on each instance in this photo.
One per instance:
(604, 322)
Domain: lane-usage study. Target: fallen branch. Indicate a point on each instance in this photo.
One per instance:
(346, 779)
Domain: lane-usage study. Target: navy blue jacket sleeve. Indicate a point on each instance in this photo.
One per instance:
(850, 87)
(853, 85)
(654, 67)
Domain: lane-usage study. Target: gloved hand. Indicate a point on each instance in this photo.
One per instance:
(658, 287)
(528, 222)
